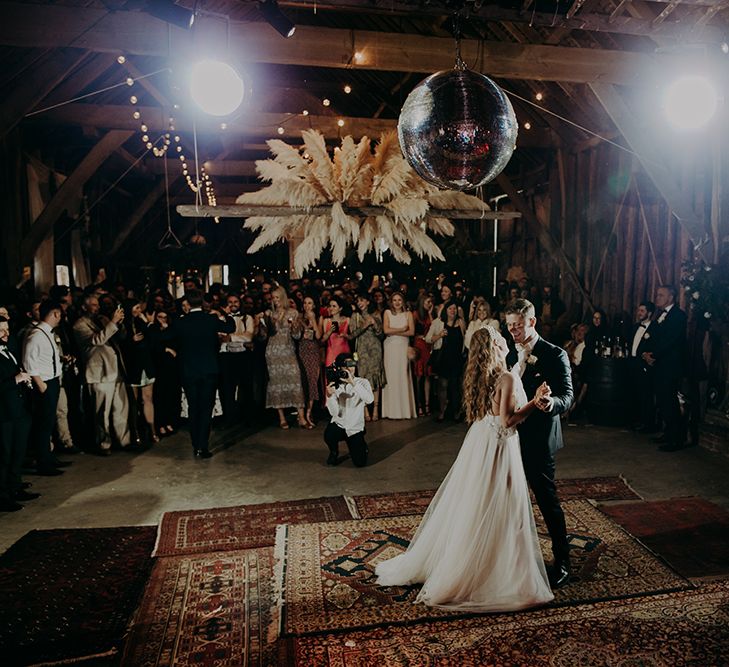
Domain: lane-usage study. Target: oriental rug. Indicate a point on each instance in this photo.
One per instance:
(207, 610)
(416, 502)
(241, 527)
(692, 534)
(68, 594)
(328, 580)
(681, 629)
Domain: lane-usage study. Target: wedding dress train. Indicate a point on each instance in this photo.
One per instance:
(477, 547)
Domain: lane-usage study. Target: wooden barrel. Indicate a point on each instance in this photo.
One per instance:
(608, 391)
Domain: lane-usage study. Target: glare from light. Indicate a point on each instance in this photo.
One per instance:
(690, 102)
(358, 57)
(216, 87)
(724, 48)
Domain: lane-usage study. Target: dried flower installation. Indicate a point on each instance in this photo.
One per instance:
(373, 200)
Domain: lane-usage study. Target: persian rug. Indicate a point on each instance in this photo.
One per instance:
(242, 527)
(416, 502)
(678, 629)
(68, 594)
(207, 610)
(692, 534)
(328, 580)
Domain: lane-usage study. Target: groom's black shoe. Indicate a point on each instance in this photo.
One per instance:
(559, 573)
(333, 458)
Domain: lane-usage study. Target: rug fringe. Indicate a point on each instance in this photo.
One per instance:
(159, 534)
(625, 481)
(73, 661)
(352, 506)
(275, 629)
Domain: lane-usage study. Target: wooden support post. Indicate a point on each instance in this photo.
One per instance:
(70, 189)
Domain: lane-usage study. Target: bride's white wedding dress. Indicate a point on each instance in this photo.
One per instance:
(477, 547)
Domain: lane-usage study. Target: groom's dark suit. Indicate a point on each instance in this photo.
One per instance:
(197, 343)
(541, 434)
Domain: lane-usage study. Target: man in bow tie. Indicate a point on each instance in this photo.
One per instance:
(541, 433)
(14, 424)
(642, 404)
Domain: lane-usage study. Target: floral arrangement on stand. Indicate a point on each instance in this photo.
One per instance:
(707, 289)
(354, 178)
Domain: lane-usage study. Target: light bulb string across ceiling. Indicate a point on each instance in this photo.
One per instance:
(97, 92)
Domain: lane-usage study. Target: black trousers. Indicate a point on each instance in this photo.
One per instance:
(44, 419)
(334, 434)
(642, 401)
(540, 476)
(13, 443)
(666, 388)
(200, 392)
(233, 377)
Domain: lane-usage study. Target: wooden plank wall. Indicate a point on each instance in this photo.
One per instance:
(603, 231)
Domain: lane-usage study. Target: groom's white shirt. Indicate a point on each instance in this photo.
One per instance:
(524, 350)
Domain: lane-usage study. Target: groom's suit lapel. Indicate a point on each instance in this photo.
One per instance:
(534, 373)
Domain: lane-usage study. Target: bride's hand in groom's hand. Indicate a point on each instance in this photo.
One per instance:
(542, 397)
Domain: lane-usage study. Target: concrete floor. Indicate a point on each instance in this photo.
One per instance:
(270, 464)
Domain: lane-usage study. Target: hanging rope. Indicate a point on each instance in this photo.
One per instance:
(169, 239)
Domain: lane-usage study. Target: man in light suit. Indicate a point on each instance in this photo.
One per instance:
(540, 434)
(103, 374)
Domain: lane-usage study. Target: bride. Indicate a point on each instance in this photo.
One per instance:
(477, 548)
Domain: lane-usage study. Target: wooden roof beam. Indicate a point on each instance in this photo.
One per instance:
(70, 189)
(666, 12)
(618, 10)
(263, 125)
(137, 33)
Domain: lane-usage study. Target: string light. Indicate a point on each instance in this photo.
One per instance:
(347, 89)
(280, 130)
(539, 97)
(340, 122)
(121, 60)
(527, 126)
(326, 102)
(305, 112)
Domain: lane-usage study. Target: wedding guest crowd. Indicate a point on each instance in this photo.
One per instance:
(107, 368)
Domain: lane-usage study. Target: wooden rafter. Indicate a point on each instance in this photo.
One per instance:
(70, 189)
(36, 84)
(136, 33)
(666, 12)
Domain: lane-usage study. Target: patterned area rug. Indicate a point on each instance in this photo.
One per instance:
(690, 533)
(416, 502)
(207, 610)
(673, 630)
(69, 594)
(328, 577)
(242, 527)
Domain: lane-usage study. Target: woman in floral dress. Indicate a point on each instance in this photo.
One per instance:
(310, 355)
(282, 325)
(365, 329)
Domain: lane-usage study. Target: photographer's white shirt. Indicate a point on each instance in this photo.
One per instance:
(346, 405)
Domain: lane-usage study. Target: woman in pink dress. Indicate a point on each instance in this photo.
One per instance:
(423, 316)
(335, 331)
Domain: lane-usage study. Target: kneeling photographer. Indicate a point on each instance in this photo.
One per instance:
(347, 395)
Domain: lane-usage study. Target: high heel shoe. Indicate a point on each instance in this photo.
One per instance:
(305, 424)
(284, 425)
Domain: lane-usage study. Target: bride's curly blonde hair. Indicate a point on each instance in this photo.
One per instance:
(483, 368)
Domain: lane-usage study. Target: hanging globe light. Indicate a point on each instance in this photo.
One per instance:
(457, 129)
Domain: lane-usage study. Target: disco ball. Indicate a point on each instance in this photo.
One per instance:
(457, 129)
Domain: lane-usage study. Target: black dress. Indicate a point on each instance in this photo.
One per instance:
(167, 388)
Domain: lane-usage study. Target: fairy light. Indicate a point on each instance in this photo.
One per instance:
(326, 102)
(305, 112)
(280, 130)
(340, 122)
(347, 89)
(539, 97)
(527, 126)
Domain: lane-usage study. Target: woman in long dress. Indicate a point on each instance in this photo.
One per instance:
(477, 547)
(309, 355)
(365, 327)
(398, 397)
(423, 316)
(284, 390)
(448, 329)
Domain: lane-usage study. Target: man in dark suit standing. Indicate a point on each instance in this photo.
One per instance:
(667, 358)
(642, 404)
(197, 346)
(540, 434)
(15, 387)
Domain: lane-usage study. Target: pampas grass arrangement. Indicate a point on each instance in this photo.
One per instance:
(355, 177)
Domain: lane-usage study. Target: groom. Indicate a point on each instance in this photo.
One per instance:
(541, 433)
